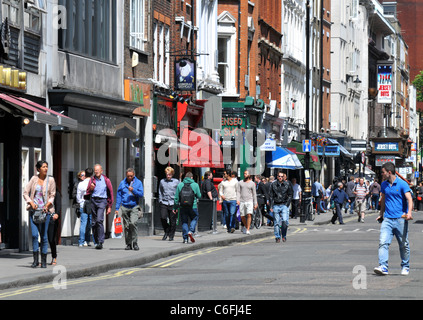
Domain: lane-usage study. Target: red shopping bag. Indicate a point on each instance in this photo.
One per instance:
(118, 225)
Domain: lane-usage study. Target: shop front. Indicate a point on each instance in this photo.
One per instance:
(106, 134)
(241, 137)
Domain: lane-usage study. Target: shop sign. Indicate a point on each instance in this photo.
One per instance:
(384, 83)
(380, 160)
(12, 78)
(139, 93)
(185, 75)
(233, 126)
(269, 145)
(386, 147)
(330, 151)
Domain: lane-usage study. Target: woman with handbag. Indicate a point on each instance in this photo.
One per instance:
(39, 195)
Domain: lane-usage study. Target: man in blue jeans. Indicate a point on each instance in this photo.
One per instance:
(188, 211)
(280, 194)
(395, 210)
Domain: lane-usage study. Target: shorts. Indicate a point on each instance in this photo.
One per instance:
(246, 208)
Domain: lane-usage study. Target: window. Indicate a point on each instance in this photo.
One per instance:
(226, 52)
(161, 42)
(91, 29)
(223, 66)
(390, 9)
(137, 26)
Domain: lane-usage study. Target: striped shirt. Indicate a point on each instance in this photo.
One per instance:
(361, 191)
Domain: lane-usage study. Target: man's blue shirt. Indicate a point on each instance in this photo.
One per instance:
(100, 190)
(395, 202)
(126, 198)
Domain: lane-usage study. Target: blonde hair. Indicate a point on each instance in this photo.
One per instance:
(80, 173)
(170, 170)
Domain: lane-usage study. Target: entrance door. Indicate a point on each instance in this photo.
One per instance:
(26, 232)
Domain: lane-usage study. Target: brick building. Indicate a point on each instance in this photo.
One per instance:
(409, 13)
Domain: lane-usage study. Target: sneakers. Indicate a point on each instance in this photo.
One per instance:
(405, 271)
(381, 270)
(191, 237)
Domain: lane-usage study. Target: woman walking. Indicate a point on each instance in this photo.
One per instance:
(39, 195)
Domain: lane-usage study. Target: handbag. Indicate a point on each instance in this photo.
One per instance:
(38, 215)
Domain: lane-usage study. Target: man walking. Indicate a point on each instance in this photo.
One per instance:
(280, 199)
(318, 193)
(360, 191)
(351, 195)
(227, 192)
(396, 208)
(168, 214)
(338, 197)
(186, 197)
(129, 192)
(375, 194)
(247, 198)
(101, 191)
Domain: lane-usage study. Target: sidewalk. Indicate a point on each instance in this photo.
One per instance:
(16, 271)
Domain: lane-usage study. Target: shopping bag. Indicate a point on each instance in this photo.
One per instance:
(117, 228)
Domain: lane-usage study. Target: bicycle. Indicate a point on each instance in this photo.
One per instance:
(310, 209)
(256, 219)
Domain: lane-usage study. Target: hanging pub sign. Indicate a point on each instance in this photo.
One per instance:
(384, 83)
(185, 75)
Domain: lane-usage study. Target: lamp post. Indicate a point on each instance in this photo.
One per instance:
(307, 188)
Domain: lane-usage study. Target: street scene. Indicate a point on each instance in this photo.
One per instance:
(319, 261)
(263, 150)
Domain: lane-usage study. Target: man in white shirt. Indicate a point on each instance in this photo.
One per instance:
(296, 198)
(228, 199)
(85, 228)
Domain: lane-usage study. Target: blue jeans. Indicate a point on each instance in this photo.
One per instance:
(375, 201)
(191, 214)
(399, 229)
(281, 220)
(42, 230)
(85, 229)
(229, 209)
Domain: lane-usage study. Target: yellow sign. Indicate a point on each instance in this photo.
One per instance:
(12, 78)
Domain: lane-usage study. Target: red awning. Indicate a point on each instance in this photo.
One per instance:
(25, 107)
(204, 152)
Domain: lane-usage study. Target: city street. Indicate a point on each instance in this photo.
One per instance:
(316, 262)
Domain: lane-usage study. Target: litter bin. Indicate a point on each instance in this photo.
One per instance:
(206, 209)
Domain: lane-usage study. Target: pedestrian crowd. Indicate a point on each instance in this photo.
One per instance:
(277, 199)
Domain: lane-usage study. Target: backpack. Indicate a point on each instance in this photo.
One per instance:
(186, 196)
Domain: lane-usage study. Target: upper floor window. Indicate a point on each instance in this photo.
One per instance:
(137, 24)
(91, 28)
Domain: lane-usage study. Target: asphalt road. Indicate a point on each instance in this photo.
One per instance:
(322, 262)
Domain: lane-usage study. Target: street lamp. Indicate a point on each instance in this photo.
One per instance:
(307, 188)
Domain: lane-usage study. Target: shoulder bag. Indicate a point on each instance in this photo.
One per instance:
(39, 216)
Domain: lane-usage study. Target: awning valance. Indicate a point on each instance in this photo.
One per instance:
(27, 108)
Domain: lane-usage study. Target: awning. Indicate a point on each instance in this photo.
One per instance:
(297, 148)
(282, 158)
(204, 152)
(27, 108)
(344, 151)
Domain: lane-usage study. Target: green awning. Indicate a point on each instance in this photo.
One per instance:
(297, 148)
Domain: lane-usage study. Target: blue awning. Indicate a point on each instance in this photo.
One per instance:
(282, 158)
(344, 151)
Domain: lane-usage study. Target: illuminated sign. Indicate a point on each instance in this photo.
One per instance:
(384, 84)
(12, 78)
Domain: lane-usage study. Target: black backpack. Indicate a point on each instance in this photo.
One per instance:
(186, 196)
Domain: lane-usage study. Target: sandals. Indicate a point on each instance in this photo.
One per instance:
(53, 262)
